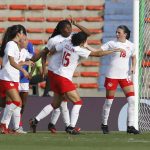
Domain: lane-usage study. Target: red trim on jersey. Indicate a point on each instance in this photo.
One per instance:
(80, 102)
(130, 94)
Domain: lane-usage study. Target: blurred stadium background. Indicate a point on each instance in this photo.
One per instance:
(101, 17)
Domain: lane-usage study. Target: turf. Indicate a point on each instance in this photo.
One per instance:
(84, 141)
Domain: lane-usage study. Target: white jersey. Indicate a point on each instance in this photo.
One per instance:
(55, 60)
(70, 57)
(25, 55)
(119, 64)
(8, 72)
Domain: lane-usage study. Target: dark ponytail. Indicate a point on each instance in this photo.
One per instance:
(10, 34)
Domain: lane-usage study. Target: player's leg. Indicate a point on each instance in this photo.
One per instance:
(110, 85)
(74, 97)
(65, 112)
(13, 102)
(45, 111)
(23, 88)
(128, 88)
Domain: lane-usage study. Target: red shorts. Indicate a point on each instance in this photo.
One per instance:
(7, 85)
(59, 84)
(111, 84)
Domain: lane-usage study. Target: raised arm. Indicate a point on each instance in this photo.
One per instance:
(85, 30)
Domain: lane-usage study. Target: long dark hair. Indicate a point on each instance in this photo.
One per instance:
(126, 30)
(59, 27)
(78, 38)
(10, 34)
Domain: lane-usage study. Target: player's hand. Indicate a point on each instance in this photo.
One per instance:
(72, 20)
(30, 63)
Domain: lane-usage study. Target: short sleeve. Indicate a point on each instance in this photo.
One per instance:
(82, 52)
(106, 46)
(11, 49)
(50, 44)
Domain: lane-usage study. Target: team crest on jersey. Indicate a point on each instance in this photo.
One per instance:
(11, 84)
(110, 84)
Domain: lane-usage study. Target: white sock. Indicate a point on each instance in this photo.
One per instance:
(65, 113)
(55, 116)
(74, 115)
(44, 112)
(106, 110)
(130, 111)
(8, 111)
(16, 118)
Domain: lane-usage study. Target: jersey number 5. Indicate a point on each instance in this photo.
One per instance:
(66, 59)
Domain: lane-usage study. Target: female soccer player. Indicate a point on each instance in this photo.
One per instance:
(119, 72)
(9, 73)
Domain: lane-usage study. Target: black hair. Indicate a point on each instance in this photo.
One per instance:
(10, 34)
(126, 30)
(78, 38)
(59, 27)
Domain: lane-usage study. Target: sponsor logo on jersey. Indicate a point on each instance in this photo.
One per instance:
(110, 84)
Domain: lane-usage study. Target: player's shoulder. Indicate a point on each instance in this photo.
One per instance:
(11, 43)
(129, 43)
(111, 42)
(57, 37)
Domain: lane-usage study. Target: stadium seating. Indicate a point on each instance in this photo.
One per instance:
(75, 7)
(95, 7)
(88, 85)
(18, 7)
(3, 6)
(37, 7)
(90, 63)
(36, 19)
(56, 7)
(2, 19)
(2, 30)
(16, 19)
(35, 30)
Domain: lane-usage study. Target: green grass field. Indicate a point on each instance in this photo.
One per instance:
(84, 141)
